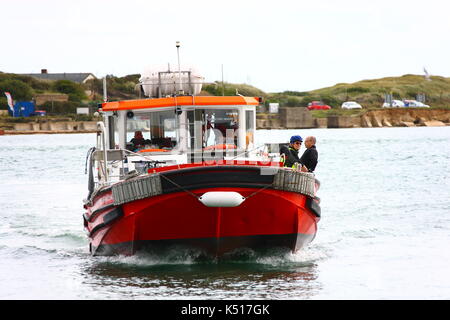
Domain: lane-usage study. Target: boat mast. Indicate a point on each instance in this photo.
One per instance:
(179, 69)
(105, 94)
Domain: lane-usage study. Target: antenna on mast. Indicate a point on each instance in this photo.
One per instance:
(179, 69)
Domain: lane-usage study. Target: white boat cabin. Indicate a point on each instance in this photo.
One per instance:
(141, 134)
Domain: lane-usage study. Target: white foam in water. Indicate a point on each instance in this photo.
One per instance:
(307, 255)
(174, 256)
(181, 256)
(284, 257)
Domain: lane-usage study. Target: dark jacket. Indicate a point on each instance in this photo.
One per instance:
(138, 141)
(309, 158)
(291, 156)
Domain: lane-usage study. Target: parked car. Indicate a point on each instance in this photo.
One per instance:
(395, 104)
(415, 104)
(318, 105)
(351, 105)
(40, 113)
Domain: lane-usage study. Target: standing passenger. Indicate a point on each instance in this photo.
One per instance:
(290, 153)
(310, 156)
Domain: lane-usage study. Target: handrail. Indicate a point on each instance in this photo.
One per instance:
(101, 128)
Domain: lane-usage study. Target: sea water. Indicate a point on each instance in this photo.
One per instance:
(384, 231)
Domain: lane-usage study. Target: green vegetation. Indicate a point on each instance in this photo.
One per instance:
(369, 93)
(118, 87)
(74, 90)
(23, 88)
(36, 85)
(337, 112)
(58, 107)
(18, 89)
(230, 89)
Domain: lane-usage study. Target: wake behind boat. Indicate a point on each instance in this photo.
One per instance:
(181, 169)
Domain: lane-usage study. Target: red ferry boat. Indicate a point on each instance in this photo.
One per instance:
(183, 171)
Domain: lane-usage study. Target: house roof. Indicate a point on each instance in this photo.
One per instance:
(75, 77)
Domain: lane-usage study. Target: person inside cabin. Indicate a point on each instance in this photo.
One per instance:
(223, 124)
(208, 128)
(289, 154)
(138, 141)
(310, 156)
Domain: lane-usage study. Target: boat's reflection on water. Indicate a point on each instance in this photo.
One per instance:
(180, 274)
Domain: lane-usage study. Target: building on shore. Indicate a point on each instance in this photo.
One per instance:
(75, 77)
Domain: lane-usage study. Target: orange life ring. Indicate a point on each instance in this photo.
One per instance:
(220, 147)
(153, 150)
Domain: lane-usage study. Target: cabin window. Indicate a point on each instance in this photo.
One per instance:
(114, 132)
(210, 127)
(220, 127)
(152, 130)
(249, 128)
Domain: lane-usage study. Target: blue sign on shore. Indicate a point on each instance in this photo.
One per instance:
(25, 109)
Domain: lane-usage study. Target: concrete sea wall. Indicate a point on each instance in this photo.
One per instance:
(301, 118)
(287, 118)
(53, 127)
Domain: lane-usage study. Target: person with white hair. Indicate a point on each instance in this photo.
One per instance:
(310, 156)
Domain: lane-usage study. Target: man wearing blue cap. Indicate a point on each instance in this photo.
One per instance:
(290, 153)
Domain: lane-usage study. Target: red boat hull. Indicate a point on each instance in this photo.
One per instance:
(269, 218)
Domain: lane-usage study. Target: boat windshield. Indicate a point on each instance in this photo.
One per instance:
(220, 127)
(213, 129)
(151, 130)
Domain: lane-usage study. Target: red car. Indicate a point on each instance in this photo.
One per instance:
(318, 105)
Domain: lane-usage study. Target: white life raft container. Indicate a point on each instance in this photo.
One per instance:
(162, 82)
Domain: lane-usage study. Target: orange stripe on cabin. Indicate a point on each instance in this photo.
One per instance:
(179, 101)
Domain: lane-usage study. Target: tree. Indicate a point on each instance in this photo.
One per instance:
(74, 90)
(19, 90)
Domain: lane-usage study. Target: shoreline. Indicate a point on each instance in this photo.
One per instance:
(28, 132)
(49, 127)
(287, 118)
(16, 132)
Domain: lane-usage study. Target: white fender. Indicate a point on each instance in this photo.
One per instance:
(221, 199)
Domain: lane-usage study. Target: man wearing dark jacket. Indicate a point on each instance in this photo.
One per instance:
(310, 156)
(290, 153)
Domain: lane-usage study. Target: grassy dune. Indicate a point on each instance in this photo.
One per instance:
(371, 93)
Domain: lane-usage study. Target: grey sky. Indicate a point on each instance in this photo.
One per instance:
(273, 45)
